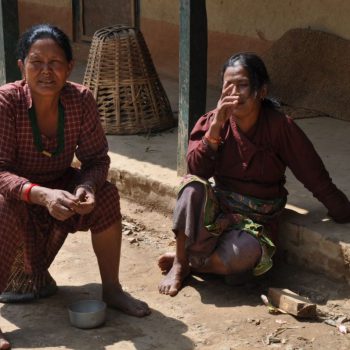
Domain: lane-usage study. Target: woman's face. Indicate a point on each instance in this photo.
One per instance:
(237, 78)
(45, 68)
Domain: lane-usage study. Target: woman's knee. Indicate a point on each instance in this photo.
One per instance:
(213, 264)
(193, 195)
(108, 196)
(107, 209)
(239, 252)
(193, 191)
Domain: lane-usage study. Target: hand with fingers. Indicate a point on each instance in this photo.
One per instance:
(86, 200)
(60, 204)
(226, 104)
(224, 110)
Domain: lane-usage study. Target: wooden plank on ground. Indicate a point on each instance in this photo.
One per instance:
(292, 303)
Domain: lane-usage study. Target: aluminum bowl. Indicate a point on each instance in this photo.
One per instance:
(87, 313)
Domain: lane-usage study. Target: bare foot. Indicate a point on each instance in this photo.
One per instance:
(172, 282)
(116, 298)
(166, 261)
(4, 344)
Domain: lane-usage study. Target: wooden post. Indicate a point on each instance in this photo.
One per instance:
(76, 5)
(8, 40)
(192, 72)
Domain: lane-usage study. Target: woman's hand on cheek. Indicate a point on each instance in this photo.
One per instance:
(226, 104)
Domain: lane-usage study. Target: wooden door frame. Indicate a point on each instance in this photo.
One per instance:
(79, 18)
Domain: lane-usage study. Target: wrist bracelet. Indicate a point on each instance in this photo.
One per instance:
(214, 140)
(26, 193)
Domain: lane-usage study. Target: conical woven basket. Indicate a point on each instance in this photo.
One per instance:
(125, 84)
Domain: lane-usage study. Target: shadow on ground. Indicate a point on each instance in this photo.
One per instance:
(214, 290)
(45, 324)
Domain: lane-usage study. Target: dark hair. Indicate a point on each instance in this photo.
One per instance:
(43, 31)
(254, 65)
(257, 73)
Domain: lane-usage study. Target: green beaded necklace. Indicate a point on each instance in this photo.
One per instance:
(37, 135)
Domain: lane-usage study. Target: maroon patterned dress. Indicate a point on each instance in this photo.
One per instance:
(28, 232)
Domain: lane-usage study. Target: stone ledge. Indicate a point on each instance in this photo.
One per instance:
(300, 244)
(143, 189)
(305, 246)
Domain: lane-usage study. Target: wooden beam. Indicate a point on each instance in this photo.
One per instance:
(8, 40)
(192, 72)
(291, 303)
(76, 5)
(136, 15)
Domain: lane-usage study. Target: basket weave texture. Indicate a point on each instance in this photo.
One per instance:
(125, 84)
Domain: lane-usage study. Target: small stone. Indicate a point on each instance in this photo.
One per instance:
(330, 322)
(127, 232)
(342, 319)
(274, 340)
(343, 329)
(280, 321)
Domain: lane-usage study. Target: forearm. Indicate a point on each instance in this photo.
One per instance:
(34, 194)
(202, 159)
(336, 202)
(203, 146)
(94, 176)
(11, 185)
(212, 136)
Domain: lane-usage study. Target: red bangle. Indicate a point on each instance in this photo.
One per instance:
(214, 140)
(26, 194)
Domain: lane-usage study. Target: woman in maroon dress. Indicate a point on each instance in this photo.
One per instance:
(44, 122)
(245, 145)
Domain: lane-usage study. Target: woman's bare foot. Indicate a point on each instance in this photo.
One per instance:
(172, 282)
(4, 344)
(116, 298)
(166, 261)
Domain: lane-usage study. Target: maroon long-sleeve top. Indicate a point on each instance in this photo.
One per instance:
(254, 163)
(20, 161)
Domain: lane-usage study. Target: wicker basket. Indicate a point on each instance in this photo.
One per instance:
(125, 84)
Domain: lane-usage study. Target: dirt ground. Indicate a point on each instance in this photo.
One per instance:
(207, 313)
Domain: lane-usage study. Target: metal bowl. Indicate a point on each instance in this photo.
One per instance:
(87, 313)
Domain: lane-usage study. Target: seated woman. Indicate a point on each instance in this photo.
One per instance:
(245, 144)
(44, 122)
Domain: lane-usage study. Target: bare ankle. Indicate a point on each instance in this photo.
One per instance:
(112, 286)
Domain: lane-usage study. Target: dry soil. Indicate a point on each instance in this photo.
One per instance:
(207, 313)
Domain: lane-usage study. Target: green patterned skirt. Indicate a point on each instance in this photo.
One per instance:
(225, 210)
